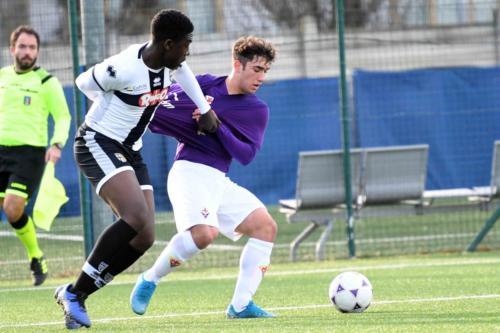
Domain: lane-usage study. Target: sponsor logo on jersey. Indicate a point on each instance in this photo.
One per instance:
(152, 98)
(166, 103)
(139, 87)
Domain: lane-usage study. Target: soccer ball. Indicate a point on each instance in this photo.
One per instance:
(351, 292)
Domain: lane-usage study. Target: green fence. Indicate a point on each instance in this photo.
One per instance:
(388, 36)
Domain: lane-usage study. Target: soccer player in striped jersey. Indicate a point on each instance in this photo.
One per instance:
(126, 89)
(206, 202)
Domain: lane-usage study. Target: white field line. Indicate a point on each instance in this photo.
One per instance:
(437, 263)
(275, 309)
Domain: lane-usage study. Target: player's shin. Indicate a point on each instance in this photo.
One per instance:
(180, 248)
(123, 259)
(254, 262)
(95, 279)
(26, 232)
(107, 246)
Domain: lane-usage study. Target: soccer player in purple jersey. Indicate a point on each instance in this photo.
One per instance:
(206, 202)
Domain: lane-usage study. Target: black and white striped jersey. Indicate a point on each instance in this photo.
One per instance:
(130, 94)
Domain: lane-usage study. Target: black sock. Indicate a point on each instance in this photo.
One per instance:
(19, 224)
(111, 241)
(123, 260)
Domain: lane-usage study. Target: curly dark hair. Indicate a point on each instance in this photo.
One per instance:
(170, 24)
(247, 48)
(14, 36)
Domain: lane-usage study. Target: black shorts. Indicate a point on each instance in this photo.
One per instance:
(21, 170)
(100, 158)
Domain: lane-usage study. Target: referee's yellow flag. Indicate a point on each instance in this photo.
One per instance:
(51, 196)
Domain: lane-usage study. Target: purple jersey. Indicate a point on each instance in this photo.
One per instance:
(243, 117)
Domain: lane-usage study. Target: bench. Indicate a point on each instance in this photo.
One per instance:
(394, 175)
(386, 181)
(319, 194)
(381, 175)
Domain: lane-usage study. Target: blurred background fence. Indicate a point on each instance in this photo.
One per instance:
(419, 72)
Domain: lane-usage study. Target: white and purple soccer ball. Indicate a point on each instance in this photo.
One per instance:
(351, 292)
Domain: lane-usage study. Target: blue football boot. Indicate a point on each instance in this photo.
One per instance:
(75, 314)
(141, 295)
(250, 311)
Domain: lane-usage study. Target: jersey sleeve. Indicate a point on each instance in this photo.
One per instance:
(190, 85)
(86, 83)
(243, 134)
(108, 75)
(57, 106)
(241, 150)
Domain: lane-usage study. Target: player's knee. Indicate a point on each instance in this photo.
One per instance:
(265, 230)
(204, 235)
(138, 217)
(149, 239)
(144, 240)
(271, 228)
(13, 212)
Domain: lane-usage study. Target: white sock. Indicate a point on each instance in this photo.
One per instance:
(180, 248)
(254, 262)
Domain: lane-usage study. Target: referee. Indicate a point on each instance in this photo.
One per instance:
(28, 94)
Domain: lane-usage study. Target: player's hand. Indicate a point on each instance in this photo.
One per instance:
(207, 122)
(53, 154)
(196, 116)
(197, 112)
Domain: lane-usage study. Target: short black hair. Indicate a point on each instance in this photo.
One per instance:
(170, 24)
(14, 36)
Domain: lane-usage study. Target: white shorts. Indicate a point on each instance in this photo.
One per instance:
(204, 195)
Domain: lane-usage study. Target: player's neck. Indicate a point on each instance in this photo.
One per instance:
(232, 87)
(149, 57)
